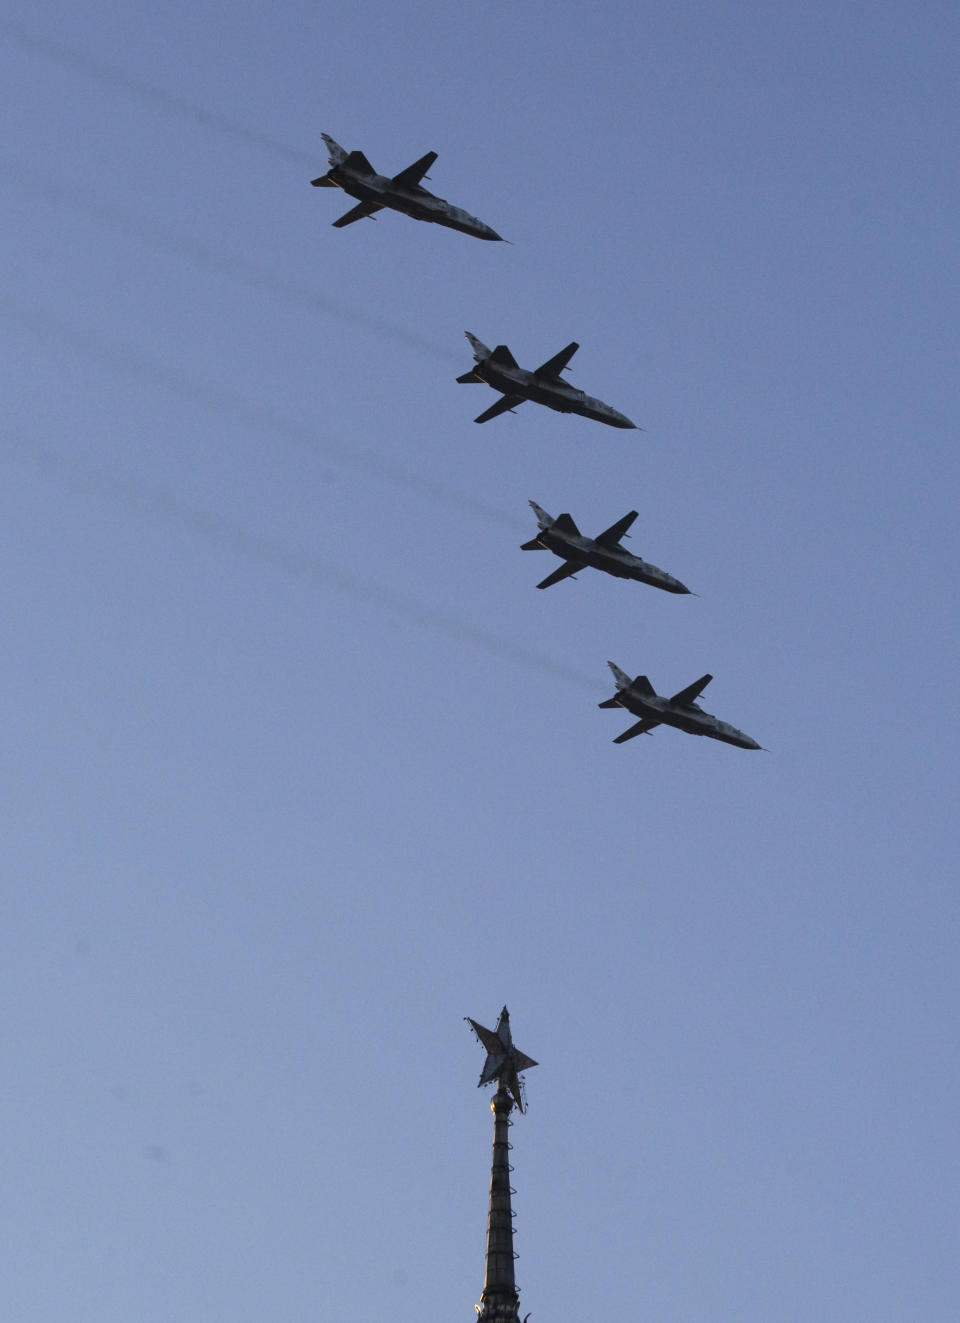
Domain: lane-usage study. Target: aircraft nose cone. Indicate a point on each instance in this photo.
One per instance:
(621, 420)
(487, 233)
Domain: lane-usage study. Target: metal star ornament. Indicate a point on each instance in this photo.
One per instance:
(504, 1063)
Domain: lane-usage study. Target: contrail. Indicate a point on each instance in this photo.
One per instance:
(236, 267)
(80, 473)
(112, 76)
(90, 345)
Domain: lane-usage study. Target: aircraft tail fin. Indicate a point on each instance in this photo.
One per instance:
(334, 150)
(621, 677)
(503, 356)
(610, 702)
(337, 157)
(545, 522)
(641, 685)
(564, 524)
(480, 350)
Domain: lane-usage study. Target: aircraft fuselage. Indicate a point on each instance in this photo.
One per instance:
(554, 392)
(612, 560)
(415, 202)
(689, 718)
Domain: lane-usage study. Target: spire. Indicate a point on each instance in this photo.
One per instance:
(499, 1302)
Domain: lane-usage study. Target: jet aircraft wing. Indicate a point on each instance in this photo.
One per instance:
(565, 571)
(692, 692)
(504, 405)
(641, 685)
(357, 161)
(554, 366)
(411, 177)
(612, 535)
(641, 728)
(503, 356)
(564, 524)
(357, 213)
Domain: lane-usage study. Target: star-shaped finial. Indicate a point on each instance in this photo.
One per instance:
(504, 1063)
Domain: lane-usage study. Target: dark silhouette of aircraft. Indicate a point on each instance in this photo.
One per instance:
(563, 538)
(352, 172)
(499, 369)
(639, 697)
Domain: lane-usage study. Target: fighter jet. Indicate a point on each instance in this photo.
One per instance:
(639, 697)
(499, 369)
(352, 172)
(563, 538)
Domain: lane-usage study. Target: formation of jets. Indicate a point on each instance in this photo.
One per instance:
(352, 172)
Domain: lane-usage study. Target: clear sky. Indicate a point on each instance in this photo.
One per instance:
(300, 769)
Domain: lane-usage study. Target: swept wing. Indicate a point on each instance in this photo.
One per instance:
(410, 178)
(565, 572)
(505, 404)
(564, 524)
(357, 213)
(692, 692)
(554, 366)
(357, 161)
(641, 728)
(503, 357)
(641, 685)
(612, 535)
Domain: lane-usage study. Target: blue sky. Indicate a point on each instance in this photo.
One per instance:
(300, 769)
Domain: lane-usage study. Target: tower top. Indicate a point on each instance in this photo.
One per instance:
(504, 1063)
(500, 1302)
